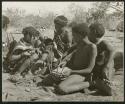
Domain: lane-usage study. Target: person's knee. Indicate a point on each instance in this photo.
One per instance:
(62, 89)
(77, 77)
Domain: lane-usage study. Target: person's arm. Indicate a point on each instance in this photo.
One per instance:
(110, 54)
(43, 59)
(93, 54)
(44, 56)
(15, 57)
(69, 39)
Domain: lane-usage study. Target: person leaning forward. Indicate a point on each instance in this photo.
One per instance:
(80, 66)
(23, 54)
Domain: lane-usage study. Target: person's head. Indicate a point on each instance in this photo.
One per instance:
(96, 32)
(41, 38)
(71, 24)
(80, 31)
(60, 22)
(30, 33)
(48, 43)
(5, 22)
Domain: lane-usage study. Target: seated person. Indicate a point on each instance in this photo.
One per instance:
(62, 37)
(49, 58)
(104, 61)
(7, 65)
(24, 54)
(38, 41)
(80, 65)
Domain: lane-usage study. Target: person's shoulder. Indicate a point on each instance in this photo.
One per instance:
(104, 42)
(92, 47)
(67, 31)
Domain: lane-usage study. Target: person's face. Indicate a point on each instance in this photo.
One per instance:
(59, 27)
(77, 38)
(93, 38)
(35, 39)
(49, 47)
(29, 38)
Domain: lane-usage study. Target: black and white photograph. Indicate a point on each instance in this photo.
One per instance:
(62, 51)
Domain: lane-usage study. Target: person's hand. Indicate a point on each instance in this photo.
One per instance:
(29, 48)
(55, 46)
(62, 71)
(37, 50)
(62, 64)
(66, 71)
(35, 56)
(41, 62)
(106, 73)
(26, 54)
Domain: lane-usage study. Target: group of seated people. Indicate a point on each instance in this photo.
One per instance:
(71, 62)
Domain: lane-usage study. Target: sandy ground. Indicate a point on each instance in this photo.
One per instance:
(12, 92)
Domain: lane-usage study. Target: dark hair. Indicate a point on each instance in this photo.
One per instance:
(72, 24)
(41, 38)
(31, 31)
(81, 29)
(62, 20)
(5, 21)
(97, 29)
(48, 41)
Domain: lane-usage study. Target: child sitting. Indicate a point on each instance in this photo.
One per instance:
(48, 60)
(104, 61)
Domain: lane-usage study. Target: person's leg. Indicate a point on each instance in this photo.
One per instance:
(24, 66)
(108, 73)
(26, 63)
(72, 84)
(104, 78)
(104, 87)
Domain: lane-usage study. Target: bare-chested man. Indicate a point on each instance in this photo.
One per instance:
(81, 63)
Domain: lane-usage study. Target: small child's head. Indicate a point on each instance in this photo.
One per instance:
(48, 43)
(96, 32)
(80, 31)
(29, 34)
(60, 22)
